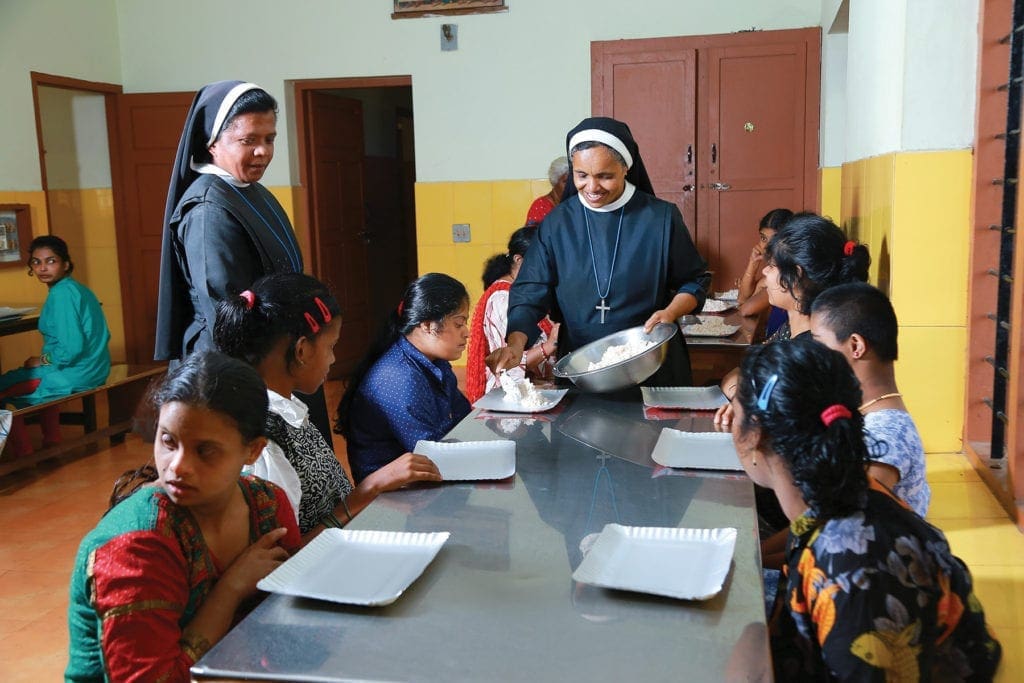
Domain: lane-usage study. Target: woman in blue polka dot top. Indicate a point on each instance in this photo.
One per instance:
(404, 389)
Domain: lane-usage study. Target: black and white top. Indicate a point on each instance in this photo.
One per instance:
(297, 459)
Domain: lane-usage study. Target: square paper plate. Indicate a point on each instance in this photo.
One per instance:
(728, 295)
(718, 305)
(8, 312)
(495, 401)
(689, 564)
(696, 450)
(710, 326)
(684, 398)
(356, 567)
(471, 460)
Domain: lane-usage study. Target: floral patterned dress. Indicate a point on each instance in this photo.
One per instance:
(877, 596)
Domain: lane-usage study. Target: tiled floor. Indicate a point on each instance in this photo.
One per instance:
(43, 516)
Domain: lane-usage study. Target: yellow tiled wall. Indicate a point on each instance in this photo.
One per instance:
(912, 209)
(494, 210)
(85, 220)
(830, 191)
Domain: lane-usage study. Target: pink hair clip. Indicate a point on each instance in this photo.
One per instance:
(849, 247)
(312, 323)
(324, 311)
(835, 412)
(250, 299)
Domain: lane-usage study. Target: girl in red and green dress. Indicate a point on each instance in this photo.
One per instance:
(172, 566)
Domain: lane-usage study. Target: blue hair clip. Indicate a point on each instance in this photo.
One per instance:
(766, 393)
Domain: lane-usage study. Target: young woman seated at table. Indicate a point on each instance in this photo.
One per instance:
(872, 591)
(858, 321)
(286, 327)
(804, 258)
(404, 389)
(74, 356)
(489, 323)
(168, 570)
(752, 297)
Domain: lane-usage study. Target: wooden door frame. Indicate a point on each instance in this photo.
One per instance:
(111, 92)
(302, 133)
(812, 104)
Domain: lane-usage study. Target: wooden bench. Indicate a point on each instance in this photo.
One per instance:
(124, 388)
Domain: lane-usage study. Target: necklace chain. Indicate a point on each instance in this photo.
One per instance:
(873, 401)
(593, 258)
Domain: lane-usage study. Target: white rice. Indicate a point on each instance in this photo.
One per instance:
(617, 354)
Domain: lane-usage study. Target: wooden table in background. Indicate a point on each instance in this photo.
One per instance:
(712, 357)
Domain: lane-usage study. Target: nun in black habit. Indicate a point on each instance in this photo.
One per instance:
(609, 257)
(222, 229)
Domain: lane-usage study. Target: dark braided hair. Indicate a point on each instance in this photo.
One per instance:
(429, 298)
(775, 219)
(827, 462)
(500, 265)
(810, 253)
(283, 305)
(210, 380)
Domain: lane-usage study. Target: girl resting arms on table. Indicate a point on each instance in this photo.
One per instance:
(165, 574)
(404, 389)
(286, 327)
(871, 590)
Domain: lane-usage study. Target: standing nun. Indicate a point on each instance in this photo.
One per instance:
(609, 257)
(222, 229)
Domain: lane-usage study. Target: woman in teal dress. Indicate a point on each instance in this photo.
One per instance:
(74, 356)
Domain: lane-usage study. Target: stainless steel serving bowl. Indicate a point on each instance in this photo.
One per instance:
(623, 374)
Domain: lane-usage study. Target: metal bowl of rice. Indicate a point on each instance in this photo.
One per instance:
(619, 360)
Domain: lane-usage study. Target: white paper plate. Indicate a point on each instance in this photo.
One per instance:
(471, 460)
(718, 305)
(690, 564)
(494, 400)
(728, 295)
(8, 312)
(696, 450)
(356, 567)
(710, 326)
(686, 398)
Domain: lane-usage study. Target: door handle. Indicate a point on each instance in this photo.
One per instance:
(721, 187)
(688, 188)
(689, 154)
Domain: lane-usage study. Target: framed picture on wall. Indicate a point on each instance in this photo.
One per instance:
(15, 234)
(405, 9)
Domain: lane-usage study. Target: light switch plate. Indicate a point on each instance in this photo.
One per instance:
(460, 232)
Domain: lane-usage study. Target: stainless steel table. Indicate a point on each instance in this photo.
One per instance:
(498, 603)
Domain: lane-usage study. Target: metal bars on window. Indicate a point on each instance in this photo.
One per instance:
(1007, 229)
